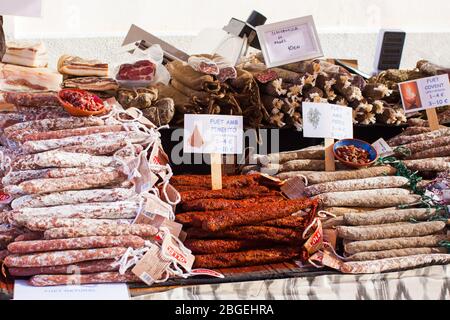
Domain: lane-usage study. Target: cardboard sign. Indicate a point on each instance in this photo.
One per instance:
(116, 291)
(425, 93)
(323, 120)
(382, 147)
(26, 8)
(213, 134)
(289, 41)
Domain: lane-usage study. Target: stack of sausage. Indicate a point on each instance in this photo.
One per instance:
(285, 88)
(73, 203)
(387, 240)
(423, 150)
(245, 224)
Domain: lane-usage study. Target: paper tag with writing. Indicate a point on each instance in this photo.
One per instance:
(213, 134)
(172, 194)
(425, 93)
(315, 241)
(206, 272)
(323, 120)
(5, 198)
(330, 236)
(134, 113)
(152, 266)
(382, 147)
(294, 188)
(154, 205)
(172, 249)
(331, 261)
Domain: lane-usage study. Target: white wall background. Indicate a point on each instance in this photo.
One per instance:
(94, 28)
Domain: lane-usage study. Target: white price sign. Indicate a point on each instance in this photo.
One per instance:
(425, 93)
(289, 41)
(114, 291)
(383, 148)
(213, 134)
(26, 8)
(323, 120)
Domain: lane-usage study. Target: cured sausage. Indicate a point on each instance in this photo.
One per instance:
(231, 194)
(387, 231)
(256, 233)
(89, 140)
(221, 246)
(29, 236)
(73, 197)
(357, 184)
(42, 224)
(311, 153)
(31, 100)
(104, 277)
(17, 177)
(396, 243)
(205, 181)
(141, 230)
(76, 243)
(60, 258)
(78, 268)
(340, 211)
(292, 222)
(394, 264)
(104, 149)
(255, 214)
(376, 255)
(61, 159)
(377, 198)
(416, 147)
(431, 153)
(222, 204)
(55, 124)
(88, 181)
(430, 164)
(321, 177)
(60, 134)
(245, 258)
(100, 210)
(393, 216)
(400, 140)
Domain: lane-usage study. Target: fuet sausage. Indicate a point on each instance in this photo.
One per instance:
(45, 223)
(145, 231)
(391, 216)
(387, 231)
(73, 197)
(76, 243)
(78, 268)
(391, 244)
(59, 258)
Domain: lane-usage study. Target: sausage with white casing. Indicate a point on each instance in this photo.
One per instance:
(376, 255)
(72, 197)
(104, 277)
(431, 164)
(24, 247)
(377, 198)
(141, 230)
(392, 216)
(42, 224)
(321, 177)
(357, 184)
(395, 243)
(387, 231)
(59, 258)
(394, 264)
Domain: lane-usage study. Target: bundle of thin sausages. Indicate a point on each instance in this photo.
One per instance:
(245, 224)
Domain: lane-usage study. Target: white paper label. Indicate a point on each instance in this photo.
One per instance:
(323, 120)
(289, 41)
(382, 147)
(114, 291)
(27, 8)
(425, 93)
(213, 134)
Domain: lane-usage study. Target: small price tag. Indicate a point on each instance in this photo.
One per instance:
(171, 249)
(382, 147)
(425, 93)
(213, 134)
(323, 120)
(315, 241)
(152, 266)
